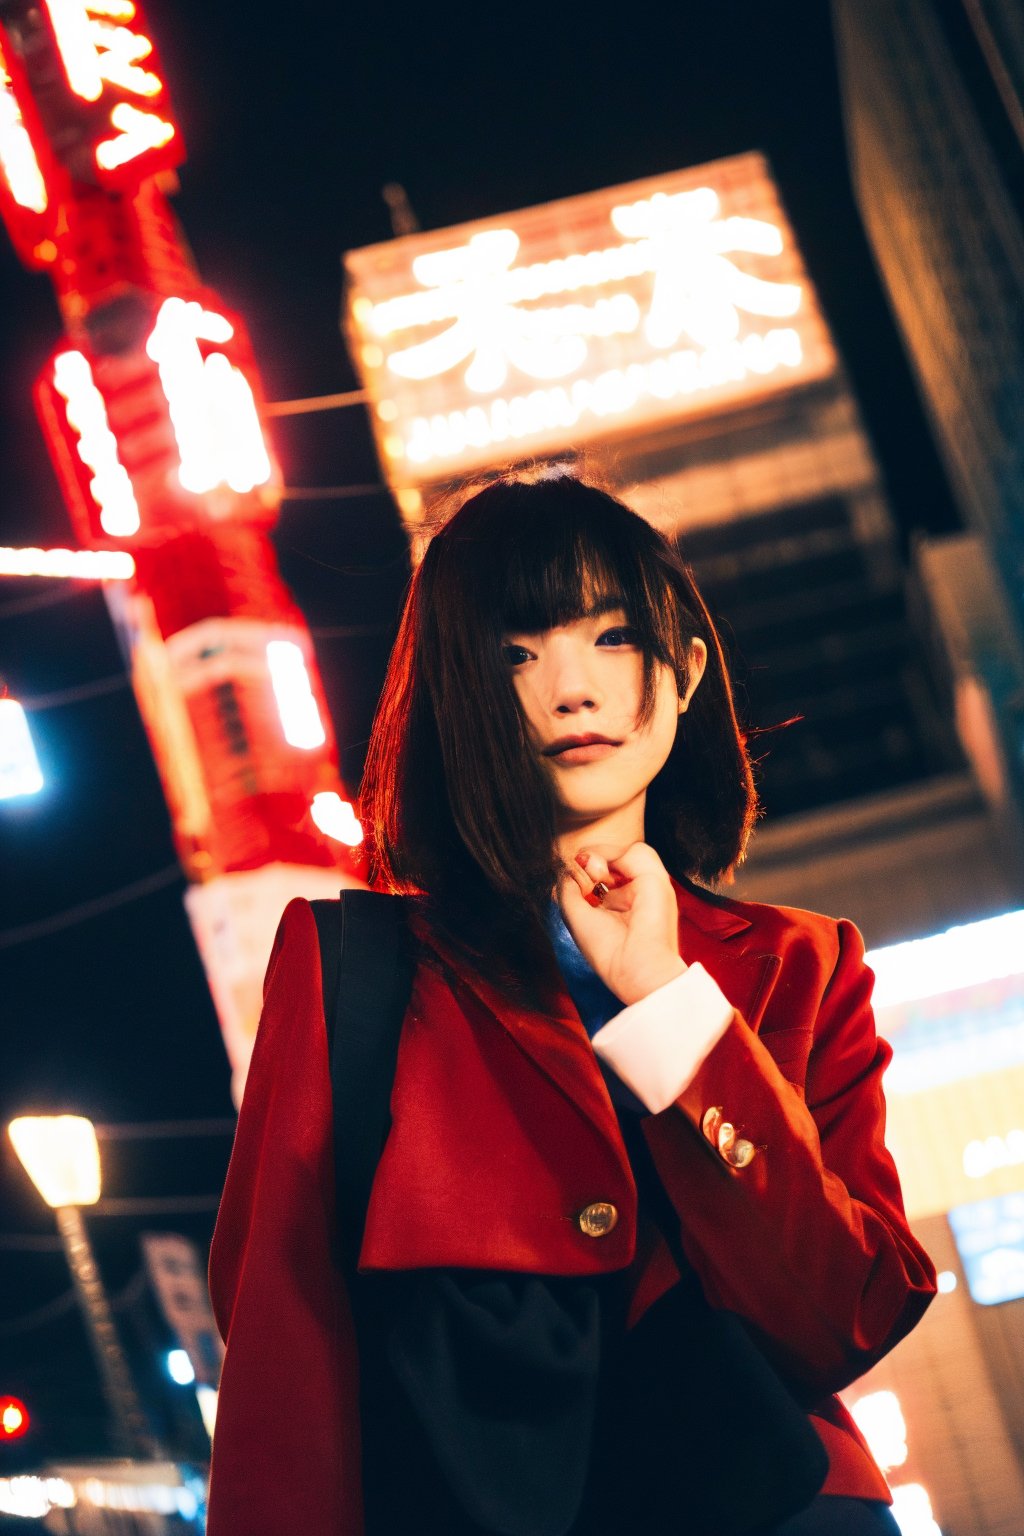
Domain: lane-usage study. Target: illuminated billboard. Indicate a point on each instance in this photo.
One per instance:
(989, 1237)
(596, 316)
(952, 1006)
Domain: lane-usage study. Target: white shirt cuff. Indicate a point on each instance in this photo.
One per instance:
(657, 1044)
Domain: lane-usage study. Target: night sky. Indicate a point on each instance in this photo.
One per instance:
(293, 119)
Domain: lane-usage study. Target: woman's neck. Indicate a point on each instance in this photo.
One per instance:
(612, 833)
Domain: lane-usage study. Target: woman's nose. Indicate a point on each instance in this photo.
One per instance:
(572, 685)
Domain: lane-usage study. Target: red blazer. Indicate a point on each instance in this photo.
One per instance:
(503, 1132)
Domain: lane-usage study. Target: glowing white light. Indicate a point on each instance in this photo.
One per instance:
(880, 1420)
(154, 1498)
(927, 1065)
(207, 1399)
(95, 50)
(616, 392)
(110, 486)
(179, 1367)
(697, 290)
(61, 1156)
(679, 238)
(17, 156)
(137, 132)
(960, 957)
(75, 564)
(492, 330)
(20, 773)
(982, 1157)
(946, 1281)
(32, 1497)
(296, 705)
(912, 1511)
(210, 403)
(336, 818)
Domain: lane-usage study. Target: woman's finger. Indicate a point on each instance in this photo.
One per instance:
(636, 860)
(595, 868)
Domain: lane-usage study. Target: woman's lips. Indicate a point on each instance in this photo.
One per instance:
(587, 752)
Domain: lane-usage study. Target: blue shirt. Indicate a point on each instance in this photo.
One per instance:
(595, 1003)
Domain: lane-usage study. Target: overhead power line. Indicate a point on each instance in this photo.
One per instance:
(331, 492)
(161, 1205)
(87, 909)
(29, 1242)
(67, 1302)
(79, 693)
(49, 599)
(146, 1129)
(316, 403)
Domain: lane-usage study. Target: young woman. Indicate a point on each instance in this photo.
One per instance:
(634, 1222)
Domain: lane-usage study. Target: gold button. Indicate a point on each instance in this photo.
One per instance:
(740, 1153)
(597, 1219)
(735, 1150)
(711, 1124)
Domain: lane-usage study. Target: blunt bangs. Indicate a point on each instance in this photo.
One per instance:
(539, 555)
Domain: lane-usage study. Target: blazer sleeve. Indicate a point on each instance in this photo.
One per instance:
(286, 1442)
(808, 1241)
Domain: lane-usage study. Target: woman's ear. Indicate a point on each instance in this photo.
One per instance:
(696, 662)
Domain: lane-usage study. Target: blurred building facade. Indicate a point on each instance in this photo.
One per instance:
(933, 96)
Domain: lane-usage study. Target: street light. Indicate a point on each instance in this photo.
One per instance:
(61, 1156)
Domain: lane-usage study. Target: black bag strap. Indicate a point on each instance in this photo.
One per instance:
(367, 970)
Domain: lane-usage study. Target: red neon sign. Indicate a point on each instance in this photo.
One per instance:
(30, 180)
(164, 435)
(99, 88)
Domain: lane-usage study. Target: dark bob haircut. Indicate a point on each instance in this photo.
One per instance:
(456, 806)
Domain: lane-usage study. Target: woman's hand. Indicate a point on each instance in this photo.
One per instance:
(631, 935)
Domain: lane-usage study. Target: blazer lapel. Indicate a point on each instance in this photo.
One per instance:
(558, 1044)
(712, 932)
(555, 1041)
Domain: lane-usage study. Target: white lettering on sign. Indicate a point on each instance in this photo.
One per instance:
(293, 690)
(209, 400)
(490, 327)
(98, 48)
(680, 240)
(612, 393)
(86, 413)
(697, 289)
(17, 157)
(674, 310)
(137, 132)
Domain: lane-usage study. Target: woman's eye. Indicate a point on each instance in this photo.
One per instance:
(515, 655)
(622, 634)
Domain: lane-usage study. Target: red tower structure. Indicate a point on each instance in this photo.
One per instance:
(152, 412)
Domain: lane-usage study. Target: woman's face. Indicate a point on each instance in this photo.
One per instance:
(580, 688)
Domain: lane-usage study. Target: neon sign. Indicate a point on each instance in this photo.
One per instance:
(18, 159)
(30, 178)
(90, 70)
(68, 564)
(610, 312)
(96, 446)
(211, 404)
(108, 59)
(293, 691)
(163, 435)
